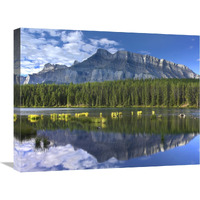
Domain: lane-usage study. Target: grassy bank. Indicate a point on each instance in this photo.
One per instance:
(85, 106)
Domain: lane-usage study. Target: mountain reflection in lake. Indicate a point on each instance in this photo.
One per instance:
(127, 141)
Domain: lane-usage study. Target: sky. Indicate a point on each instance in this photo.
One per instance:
(41, 46)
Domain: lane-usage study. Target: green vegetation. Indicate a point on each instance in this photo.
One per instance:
(95, 120)
(116, 114)
(33, 116)
(147, 124)
(41, 142)
(38, 142)
(15, 117)
(153, 117)
(24, 131)
(122, 93)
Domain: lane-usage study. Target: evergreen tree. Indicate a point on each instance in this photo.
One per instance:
(154, 92)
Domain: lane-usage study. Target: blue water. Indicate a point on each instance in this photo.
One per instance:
(182, 155)
(82, 146)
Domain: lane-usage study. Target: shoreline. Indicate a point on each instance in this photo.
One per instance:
(176, 107)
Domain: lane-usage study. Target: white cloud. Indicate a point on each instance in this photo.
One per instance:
(53, 33)
(53, 42)
(42, 32)
(198, 59)
(88, 48)
(25, 71)
(35, 30)
(75, 36)
(144, 52)
(103, 42)
(113, 50)
(57, 47)
(72, 48)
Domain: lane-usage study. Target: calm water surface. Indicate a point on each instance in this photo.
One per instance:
(127, 141)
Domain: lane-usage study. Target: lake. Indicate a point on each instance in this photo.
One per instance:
(129, 140)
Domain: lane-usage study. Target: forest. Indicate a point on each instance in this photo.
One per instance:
(121, 93)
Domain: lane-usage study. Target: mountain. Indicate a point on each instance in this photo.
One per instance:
(104, 66)
(19, 79)
(104, 146)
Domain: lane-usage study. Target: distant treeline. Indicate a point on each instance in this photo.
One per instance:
(148, 92)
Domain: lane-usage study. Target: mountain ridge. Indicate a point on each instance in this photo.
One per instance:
(114, 145)
(104, 65)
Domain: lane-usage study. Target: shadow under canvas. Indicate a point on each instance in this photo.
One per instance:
(9, 164)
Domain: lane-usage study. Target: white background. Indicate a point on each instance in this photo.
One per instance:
(171, 16)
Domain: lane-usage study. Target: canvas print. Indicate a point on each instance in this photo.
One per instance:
(92, 99)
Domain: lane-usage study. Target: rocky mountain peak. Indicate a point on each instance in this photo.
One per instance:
(47, 67)
(50, 67)
(75, 62)
(104, 66)
(103, 52)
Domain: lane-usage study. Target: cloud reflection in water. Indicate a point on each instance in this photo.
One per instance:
(55, 158)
